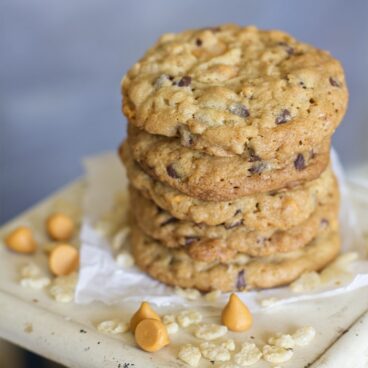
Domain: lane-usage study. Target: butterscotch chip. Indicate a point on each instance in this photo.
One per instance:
(151, 335)
(21, 240)
(63, 260)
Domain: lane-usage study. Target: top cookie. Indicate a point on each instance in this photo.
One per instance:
(231, 90)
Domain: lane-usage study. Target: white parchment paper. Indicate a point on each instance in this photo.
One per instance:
(102, 279)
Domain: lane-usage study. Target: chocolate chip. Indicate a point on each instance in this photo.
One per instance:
(257, 168)
(240, 280)
(324, 222)
(234, 224)
(334, 82)
(253, 157)
(170, 220)
(237, 212)
(159, 209)
(301, 83)
(190, 239)
(239, 109)
(187, 138)
(185, 81)
(289, 50)
(199, 42)
(261, 240)
(299, 162)
(283, 117)
(172, 172)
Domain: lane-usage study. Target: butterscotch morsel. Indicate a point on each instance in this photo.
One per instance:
(21, 240)
(144, 312)
(151, 335)
(236, 316)
(63, 259)
(60, 227)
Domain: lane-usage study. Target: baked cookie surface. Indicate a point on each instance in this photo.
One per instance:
(281, 210)
(221, 178)
(176, 267)
(222, 242)
(236, 91)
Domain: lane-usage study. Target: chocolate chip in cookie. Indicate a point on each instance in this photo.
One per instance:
(252, 156)
(234, 224)
(257, 168)
(239, 110)
(172, 172)
(289, 50)
(191, 239)
(170, 220)
(283, 117)
(185, 81)
(240, 280)
(299, 162)
(334, 82)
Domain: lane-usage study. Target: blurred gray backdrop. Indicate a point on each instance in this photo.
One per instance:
(61, 63)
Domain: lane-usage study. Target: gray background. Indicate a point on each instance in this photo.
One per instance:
(61, 63)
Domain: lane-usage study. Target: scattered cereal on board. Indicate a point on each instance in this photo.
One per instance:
(285, 341)
(190, 294)
(308, 281)
(304, 335)
(249, 354)
(214, 352)
(276, 354)
(210, 331)
(212, 296)
(113, 327)
(62, 288)
(188, 317)
(190, 354)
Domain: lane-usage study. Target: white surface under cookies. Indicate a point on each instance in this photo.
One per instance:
(67, 333)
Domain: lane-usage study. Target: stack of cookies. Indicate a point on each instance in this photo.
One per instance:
(228, 158)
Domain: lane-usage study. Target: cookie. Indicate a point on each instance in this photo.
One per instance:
(214, 178)
(219, 243)
(236, 91)
(176, 267)
(260, 211)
